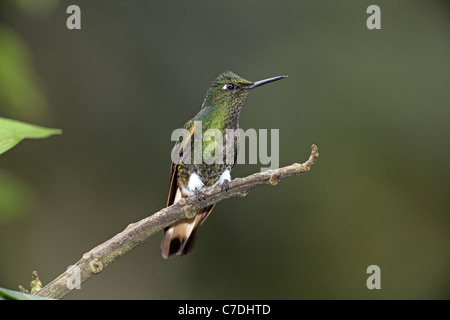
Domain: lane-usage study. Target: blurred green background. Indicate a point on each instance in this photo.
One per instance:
(377, 103)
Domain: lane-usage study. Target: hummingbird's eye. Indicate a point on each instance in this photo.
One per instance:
(229, 87)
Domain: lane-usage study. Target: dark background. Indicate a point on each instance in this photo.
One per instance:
(375, 102)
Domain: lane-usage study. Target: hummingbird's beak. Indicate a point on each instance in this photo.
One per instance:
(261, 82)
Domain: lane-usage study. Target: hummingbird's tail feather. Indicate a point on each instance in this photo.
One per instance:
(180, 238)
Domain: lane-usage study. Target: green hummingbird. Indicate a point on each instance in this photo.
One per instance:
(220, 111)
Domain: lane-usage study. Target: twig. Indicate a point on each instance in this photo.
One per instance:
(96, 260)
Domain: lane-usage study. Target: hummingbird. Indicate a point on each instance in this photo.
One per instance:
(220, 110)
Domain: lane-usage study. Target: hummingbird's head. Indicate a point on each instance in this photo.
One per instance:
(229, 89)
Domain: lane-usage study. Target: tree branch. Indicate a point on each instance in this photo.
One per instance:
(96, 260)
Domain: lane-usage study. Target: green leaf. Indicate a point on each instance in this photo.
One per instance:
(6, 294)
(12, 132)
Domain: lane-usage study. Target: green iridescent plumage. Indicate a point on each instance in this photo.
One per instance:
(220, 110)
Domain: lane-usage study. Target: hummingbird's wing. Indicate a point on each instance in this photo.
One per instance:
(173, 184)
(189, 126)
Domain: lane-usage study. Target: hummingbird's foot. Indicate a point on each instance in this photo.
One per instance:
(225, 185)
(199, 195)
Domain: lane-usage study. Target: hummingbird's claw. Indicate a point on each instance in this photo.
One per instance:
(225, 186)
(199, 195)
